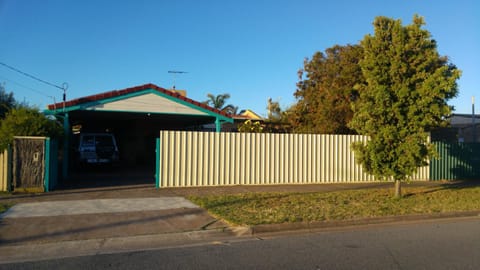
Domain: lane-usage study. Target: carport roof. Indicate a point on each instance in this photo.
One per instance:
(148, 98)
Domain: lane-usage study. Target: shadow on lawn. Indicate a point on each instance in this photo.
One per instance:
(462, 184)
(230, 200)
(452, 185)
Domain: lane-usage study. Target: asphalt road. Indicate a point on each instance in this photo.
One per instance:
(446, 244)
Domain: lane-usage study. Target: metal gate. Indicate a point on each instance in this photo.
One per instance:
(28, 163)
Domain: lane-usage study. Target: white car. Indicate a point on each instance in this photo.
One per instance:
(98, 148)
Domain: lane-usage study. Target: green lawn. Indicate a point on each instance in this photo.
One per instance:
(271, 208)
(4, 205)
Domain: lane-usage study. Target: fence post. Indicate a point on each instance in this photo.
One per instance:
(47, 165)
(9, 168)
(5, 170)
(157, 164)
(66, 143)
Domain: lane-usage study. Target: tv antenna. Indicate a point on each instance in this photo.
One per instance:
(175, 72)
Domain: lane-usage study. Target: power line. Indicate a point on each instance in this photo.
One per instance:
(26, 87)
(33, 77)
(63, 87)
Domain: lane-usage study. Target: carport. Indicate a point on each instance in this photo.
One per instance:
(135, 116)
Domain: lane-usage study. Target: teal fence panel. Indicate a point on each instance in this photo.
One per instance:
(456, 161)
(51, 164)
(53, 171)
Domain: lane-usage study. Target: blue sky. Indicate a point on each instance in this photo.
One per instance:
(250, 49)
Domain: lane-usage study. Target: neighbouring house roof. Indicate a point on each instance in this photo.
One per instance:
(459, 120)
(148, 98)
(461, 128)
(248, 114)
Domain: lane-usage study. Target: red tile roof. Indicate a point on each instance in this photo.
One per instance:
(116, 93)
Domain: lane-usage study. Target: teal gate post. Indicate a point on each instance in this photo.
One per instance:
(157, 163)
(51, 164)
(66, 142)
(46, 181)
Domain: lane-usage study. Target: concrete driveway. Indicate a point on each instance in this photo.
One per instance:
(86, 214)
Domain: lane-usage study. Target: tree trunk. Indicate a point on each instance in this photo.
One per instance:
(398, 189)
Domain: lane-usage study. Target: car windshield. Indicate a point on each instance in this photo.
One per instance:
(88, 141)
(104, 141)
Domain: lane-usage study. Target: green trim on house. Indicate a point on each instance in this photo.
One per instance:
(66, 143)
(140, 93)
(98, 102)
(147, 112)
(218, 125)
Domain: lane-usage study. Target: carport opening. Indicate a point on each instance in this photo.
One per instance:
(135, 135)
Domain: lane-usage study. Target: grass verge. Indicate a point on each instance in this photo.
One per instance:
(5, 206)
(274, 208)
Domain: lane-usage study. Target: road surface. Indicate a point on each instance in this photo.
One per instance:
(439, 244)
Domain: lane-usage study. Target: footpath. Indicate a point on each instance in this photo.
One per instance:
(100, 220)
(131, 218)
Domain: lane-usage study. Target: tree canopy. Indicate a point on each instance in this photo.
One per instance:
(324, 91)
(278, 120)
(7, 101)
(407, 86)
(250, 126)
(25, 121)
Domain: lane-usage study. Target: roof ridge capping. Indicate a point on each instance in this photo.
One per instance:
(116, 93)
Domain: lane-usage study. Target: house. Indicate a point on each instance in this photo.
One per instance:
(135, 116)
(240, 118)
(462, 128)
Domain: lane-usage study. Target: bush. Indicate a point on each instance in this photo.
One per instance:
(26, 122)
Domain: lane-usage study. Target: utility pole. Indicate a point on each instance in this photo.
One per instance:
(64, 88)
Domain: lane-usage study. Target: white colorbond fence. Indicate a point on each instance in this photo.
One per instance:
(4, 170)
(192, 159)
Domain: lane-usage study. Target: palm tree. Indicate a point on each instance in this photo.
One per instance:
(218, 102)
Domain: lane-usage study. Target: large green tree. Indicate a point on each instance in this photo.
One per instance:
(405, 95)
(25, 121)
(7, 101)
(324, 91)
(278, 120)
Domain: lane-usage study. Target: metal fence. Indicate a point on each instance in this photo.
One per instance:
(456, 161)
(4, 170)
(190, 159)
